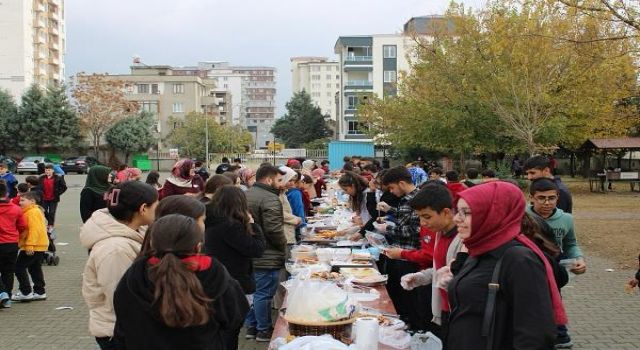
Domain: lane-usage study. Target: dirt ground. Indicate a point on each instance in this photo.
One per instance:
(608, 225)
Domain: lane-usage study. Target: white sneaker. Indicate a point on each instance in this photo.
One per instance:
(20, 297)
(37, 296)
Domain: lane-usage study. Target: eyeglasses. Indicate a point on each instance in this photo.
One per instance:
(463, 213)
(543, 199)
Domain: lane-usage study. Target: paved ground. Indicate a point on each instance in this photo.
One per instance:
(602, 316)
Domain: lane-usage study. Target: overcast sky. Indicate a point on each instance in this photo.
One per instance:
(102, 36)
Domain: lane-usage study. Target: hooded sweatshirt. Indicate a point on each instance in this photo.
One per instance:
(113, 247)
(137, 326)
(11, 223)
(563, 229)
(35, 237)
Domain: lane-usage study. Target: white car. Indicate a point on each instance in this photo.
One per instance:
(29, 165)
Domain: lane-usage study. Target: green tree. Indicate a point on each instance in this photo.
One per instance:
(64, 124)
(8, 120)
(33, 129)
(190, 134)
(131, 134)
(302, 123)
(501, 79)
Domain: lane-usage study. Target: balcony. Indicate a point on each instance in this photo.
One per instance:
(39, 7)
(359, 85)
(255, 103)
(54, 46)
(40, 22)
(358, 60)
(54, 14)
(53, 30)
(54, 61)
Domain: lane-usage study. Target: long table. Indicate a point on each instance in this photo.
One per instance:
(383, 303)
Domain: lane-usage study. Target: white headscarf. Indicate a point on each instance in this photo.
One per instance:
(289, 173)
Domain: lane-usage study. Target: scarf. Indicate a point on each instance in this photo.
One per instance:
(497, 209)
(98, 179)
(194, 263)
(182, 169)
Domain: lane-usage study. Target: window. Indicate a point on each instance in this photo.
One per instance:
(389, 76)
(353, 128)
(315, 86)
(337, 77)
(315, 94)
(337, 86)
(178, 88)
(329, 94)
(143, 88)
(315, 68)
(315, 77)
(328, 85)
(177, 107)
(389, 51)
(149, 106)
(328, 76)
(154, 89)
(352, 102)
(327, 68)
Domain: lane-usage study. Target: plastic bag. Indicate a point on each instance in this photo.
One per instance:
(425, 341)
(376, 240)
(324, 342)
(318, 301)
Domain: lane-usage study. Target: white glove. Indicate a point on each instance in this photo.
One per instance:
(443, 277)
(382, 206)
(417, 279)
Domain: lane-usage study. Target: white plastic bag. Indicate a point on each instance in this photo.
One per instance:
(325, 342)
(318, 301)
(425, 341)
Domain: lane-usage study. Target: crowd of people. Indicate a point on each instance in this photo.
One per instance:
(189, 262)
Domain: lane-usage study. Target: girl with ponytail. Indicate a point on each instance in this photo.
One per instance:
(176, 298)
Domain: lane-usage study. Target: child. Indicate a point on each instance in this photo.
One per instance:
(544, 200)
(9, 179)
(436, 174)
(32, 181)
(434, 206)
(33, 243)
(22, 188)
(51, 187)
(177, 296)
(305, 184)
(11, 224)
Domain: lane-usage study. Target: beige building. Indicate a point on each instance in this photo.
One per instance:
(370, 65)
(167, 92)
(320, 78)
(32, 44)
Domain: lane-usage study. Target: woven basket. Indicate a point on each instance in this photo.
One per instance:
(338, 329)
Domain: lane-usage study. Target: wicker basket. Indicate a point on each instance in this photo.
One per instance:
(338, 329)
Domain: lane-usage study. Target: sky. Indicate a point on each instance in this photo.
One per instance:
(103, 36)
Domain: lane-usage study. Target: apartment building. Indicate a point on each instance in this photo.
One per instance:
(166, 92)
(32, 44)
(320, 78)
(370, 66)
(253, 89)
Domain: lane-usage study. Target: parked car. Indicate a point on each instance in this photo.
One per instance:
(10, 163)
(28, 164)
(79, 164)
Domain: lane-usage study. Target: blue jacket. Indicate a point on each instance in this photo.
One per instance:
(57, 169)
(294, 195)
(11, 183)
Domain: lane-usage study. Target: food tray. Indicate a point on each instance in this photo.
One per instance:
(338, 329)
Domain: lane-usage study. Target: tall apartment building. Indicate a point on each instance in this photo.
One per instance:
(32, 44)
(167, 92)
(370, 66)
(254, 95)
(320, 78)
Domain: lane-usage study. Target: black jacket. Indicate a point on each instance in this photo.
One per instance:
(59, 186)
(524, 318)
(234, 247)
(90, 202)
(565, 202)
(138, 328)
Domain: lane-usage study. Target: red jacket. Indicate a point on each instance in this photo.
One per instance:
(11, 223)
(423, 256)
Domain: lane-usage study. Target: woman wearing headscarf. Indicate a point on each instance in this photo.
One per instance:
(183, 180)
(92, 195)
(319, 183)
(247, 178)
(519, 307)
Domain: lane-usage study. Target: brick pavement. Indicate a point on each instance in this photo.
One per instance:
(602, 316)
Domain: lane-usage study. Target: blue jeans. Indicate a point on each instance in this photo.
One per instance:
(260, 313)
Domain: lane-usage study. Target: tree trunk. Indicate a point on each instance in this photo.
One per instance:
(126, 157)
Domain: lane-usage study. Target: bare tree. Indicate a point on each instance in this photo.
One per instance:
(100, 101)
